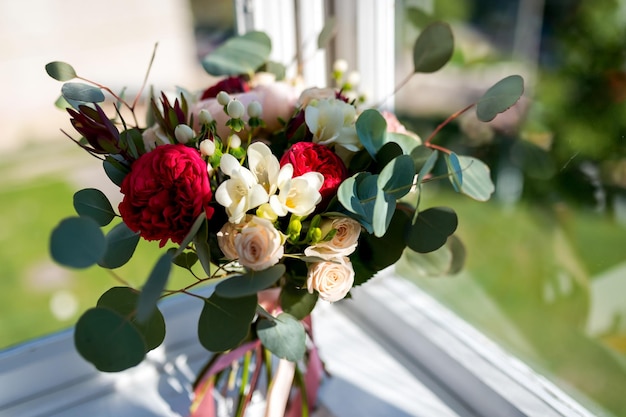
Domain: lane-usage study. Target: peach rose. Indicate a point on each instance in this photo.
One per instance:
(226, 237)
(342, 244)
(332, 280)
(259, 245)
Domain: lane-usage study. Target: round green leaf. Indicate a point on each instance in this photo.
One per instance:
(396, 178)
(371, 128)
(427, 265)
(60, 71)
(239, 55)
(123, 300)
(433, 48)
(251, 282)
(328, 32)
(93, 203)
(297, 301)
(82, 92)
(225, 322)
(107, 340)
(77, 242)
(477, 182)
(121, 243)
(500, 97)
(115, 170)
(284, 337)
(455, 174)
(151, 291)
(186, 259)
(384, 207)
(431, 229)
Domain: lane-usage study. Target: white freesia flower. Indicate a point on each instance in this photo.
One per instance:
(259, 245)
(153, 137)
(332, 280)
(264, 166)
(297, 195)
(331, 121)
(343, 243)
(241, 192)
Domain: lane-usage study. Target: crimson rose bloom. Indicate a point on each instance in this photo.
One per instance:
(165, 191)
(308, 156)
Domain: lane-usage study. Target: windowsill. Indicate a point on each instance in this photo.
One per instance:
(391, 351)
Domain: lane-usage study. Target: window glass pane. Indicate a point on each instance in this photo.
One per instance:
(545, 271)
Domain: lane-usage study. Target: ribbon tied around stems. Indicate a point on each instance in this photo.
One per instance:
(281, 399)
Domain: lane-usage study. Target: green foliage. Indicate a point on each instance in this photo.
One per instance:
(225, 322)
(431, 229)
(327, 33)
(297, 301)
(108, 340)
(60, 71)
(477, 182)
(455, 175)
(77, 242)
(433, 48)
(371, 128)
(151, 292)
(239, 55)
(115, 169)
(121, 243)
(500, 97)
(82, 93)
(123, 300)
(91, 202)
(284, 336)
(251, 282)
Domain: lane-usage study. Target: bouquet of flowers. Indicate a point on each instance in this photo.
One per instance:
(277, 197)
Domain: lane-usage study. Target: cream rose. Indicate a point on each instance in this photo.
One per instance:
(226, 237)
(342, 244)
(259, 245)
(332, 280)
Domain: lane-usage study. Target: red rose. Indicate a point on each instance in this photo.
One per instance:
(231, 85)
(165, 191)
(308, 156)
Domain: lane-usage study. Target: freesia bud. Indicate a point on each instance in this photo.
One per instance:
(223, 98)
(235, 141)
(184, 133)
(235, 109)
(205, 117)
(207, 147)
(255, 109)
(340, 65)
(265, 211)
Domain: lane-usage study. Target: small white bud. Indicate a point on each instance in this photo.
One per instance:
(235, 141)
(184, 133)
(340, 65)
(255, 109)
(223, 98)
(353, 78)
(205, 117)
(209, 169)
(207, 147)
(235, 109)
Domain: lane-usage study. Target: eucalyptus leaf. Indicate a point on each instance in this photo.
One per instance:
(477, 182)
(251, 282)
(420, 155)
(151, 291)
(239, 55)
(397, 177)
(428, 166)
(121, 243)
(431, 229)
(327, 33)
(433, 48)
(455, 174)
(384, 207)
(225, 322)
(297, 301)
(108, 340)
(284, 337)
(371, 128)
(115, 169)
(186, 260)
(387, 153)
(82, 92)
(195, 228)
(436, 263)
(500, 97)
(77, 242)
(91, 202)
(406, 142)
(60, 71)
(123, 300)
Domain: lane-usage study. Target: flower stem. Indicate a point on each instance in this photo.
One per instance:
(442, 125)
